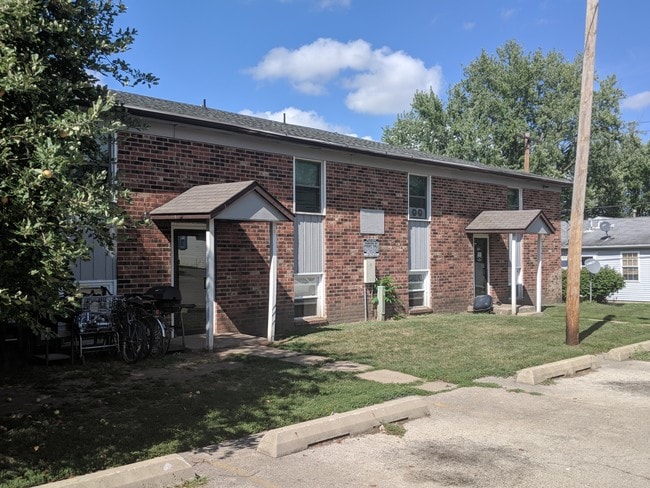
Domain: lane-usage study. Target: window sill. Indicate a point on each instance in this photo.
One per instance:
(420, 310)
(314, 320)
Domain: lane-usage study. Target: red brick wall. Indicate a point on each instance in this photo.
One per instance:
(156, 169)
(349, 189)
(454, 204)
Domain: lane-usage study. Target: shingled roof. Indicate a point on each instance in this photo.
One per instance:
(140, 105)
(627, 232)
(510, 221)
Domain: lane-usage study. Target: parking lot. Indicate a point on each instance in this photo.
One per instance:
(588, 430)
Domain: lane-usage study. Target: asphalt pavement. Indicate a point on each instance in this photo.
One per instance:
(592, 429)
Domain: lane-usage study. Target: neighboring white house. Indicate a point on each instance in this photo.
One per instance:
(621, 244)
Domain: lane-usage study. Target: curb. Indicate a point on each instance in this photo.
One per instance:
(160, 472)
(537, 374)
(298, 437)
(624, 352)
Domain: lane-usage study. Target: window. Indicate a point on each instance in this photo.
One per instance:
(514, 199)
(417, 288)
(630, 266)
(418, 197)
(307, 292)
(308, 192)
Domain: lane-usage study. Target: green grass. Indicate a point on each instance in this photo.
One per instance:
(460, 348)
(66, 420)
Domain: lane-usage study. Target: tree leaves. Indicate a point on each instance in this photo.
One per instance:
(506, 95)
(55, 127)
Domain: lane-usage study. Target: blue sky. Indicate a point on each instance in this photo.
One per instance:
(352, 65)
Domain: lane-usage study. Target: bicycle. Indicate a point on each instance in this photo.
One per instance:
(133, 333)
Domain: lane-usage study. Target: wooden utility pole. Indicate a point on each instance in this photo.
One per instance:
(580, 178)
(527, 152)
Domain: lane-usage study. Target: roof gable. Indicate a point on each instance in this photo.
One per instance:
(511, 221)
(238, 201)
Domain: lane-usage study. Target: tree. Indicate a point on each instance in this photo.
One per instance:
(506, 95)
(55, 185)
(423, 128)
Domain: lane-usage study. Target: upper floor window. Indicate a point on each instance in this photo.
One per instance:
(630, 266)
(418, 197)
(514, 199)
(308, 187)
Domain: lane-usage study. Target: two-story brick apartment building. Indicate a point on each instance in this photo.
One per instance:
(253, 218)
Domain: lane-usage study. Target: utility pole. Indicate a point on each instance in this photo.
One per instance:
(527, 152)
(580, 178)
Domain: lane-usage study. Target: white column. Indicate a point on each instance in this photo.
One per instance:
(514, 238)
(538, 300)
(273, 281)
(210, 285)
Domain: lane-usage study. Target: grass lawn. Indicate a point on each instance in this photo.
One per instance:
(460, 348)
(65, 420)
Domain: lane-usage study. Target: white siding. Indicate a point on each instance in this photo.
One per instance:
(634, 291)
(100, 267)
(308, 246)
(418, 245)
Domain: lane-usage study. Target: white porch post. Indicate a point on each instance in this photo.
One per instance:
(538, 300)
(514, 238)
(210, 285)
(273, 281)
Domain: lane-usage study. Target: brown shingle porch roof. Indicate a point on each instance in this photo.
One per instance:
(208, 201)
(511, 221)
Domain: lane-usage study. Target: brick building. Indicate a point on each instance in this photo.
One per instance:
(286, 216)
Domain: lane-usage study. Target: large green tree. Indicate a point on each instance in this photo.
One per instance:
(504, 96)
(56, 188)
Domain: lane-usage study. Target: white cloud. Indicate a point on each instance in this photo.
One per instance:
(507, 14)
(326, 4)
(296, 116)
(637, 102)
(379, 81)
(468, 26)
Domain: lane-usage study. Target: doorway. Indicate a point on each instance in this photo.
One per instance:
(481, 266)
(189, 276)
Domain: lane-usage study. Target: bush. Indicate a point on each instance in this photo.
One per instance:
(604, 283)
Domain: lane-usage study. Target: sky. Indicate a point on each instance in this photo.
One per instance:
(351, 66)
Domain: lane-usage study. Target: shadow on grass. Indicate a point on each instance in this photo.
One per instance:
(595, 326)
(67, 420)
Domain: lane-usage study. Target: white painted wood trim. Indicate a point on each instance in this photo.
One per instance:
(273, 281)
(210, 285)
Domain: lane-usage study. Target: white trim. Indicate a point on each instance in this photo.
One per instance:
(428, 196)
(210, 287)
(638, 266)
(323, 189)
(273, 281)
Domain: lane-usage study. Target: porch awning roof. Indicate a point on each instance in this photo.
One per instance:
(511, 221)
(241, 201)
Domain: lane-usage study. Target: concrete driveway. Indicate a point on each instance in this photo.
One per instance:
(589, 430)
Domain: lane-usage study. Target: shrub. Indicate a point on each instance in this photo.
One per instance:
(604, 283)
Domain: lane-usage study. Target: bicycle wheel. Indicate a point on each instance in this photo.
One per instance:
(159, 336)
(134, 338)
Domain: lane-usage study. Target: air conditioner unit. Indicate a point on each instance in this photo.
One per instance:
(417, 213)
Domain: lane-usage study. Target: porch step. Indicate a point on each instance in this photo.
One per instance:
(506, 309)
